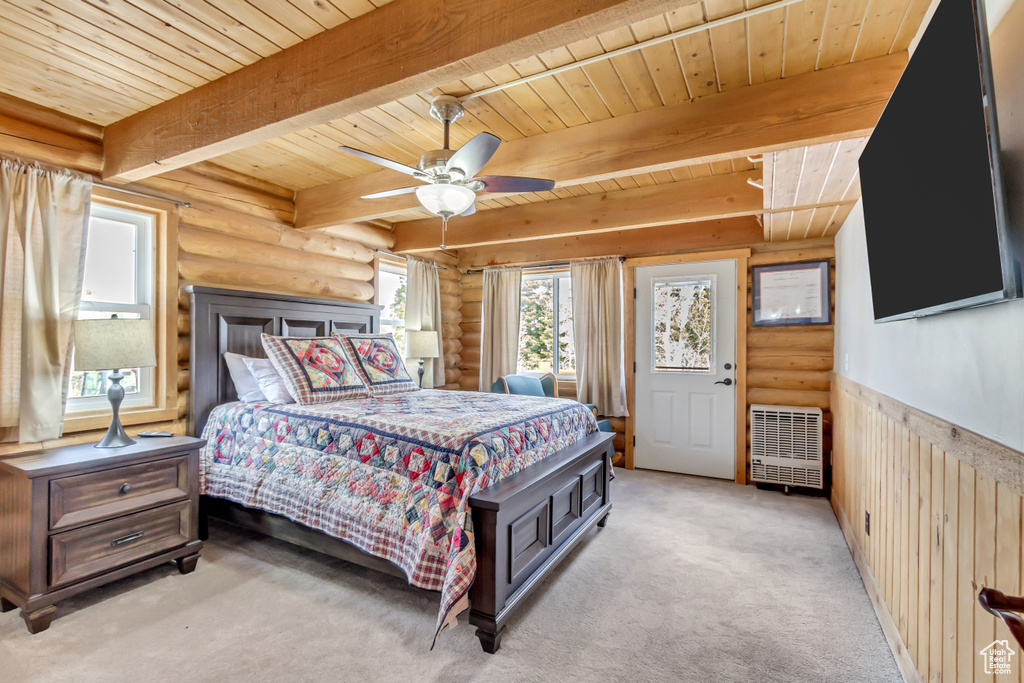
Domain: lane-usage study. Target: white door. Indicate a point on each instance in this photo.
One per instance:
(685, 400)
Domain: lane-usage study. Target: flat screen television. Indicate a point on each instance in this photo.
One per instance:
(938, 233)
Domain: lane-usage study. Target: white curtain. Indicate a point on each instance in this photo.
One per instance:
(423, 312)
(597, 330)
(499, 352)
(44, 214)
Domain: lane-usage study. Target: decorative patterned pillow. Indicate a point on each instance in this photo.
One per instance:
(315, 369)
(380, 363)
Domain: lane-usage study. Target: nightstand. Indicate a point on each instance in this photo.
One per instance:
(76, 518)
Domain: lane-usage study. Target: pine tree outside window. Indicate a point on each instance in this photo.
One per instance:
(545, 314)
(683, 326)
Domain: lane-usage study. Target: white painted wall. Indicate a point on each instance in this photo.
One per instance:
(995, 10)
(966, 367)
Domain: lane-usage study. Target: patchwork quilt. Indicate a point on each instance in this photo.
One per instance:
(391, 475)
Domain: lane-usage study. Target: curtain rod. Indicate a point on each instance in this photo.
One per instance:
(474, 271)
(404, 258)
(96, 181)
(176, 202)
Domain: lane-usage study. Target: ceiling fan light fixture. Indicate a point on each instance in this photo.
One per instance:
(444, 199)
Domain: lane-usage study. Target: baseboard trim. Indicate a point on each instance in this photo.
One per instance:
(892, 633)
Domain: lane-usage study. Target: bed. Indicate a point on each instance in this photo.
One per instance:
(477, 496)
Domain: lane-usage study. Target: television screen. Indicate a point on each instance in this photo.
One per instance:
(934, 217)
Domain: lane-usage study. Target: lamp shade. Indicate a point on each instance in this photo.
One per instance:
(443, 199)
(113, 344)
(421, 344)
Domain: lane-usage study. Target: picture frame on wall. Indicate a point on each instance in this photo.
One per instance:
(792, 294)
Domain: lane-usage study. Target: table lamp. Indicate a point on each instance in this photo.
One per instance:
(112, 344)
(421, 344)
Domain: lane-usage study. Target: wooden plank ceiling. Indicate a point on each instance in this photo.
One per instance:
(809, 191)
(102, 60)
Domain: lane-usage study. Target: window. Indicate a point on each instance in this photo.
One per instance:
(545, 315)
(682, 325)
(391, 293)
(119, 280)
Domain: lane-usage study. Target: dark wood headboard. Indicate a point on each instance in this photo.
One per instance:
(224, 320)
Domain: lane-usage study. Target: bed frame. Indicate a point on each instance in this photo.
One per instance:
(524, 525)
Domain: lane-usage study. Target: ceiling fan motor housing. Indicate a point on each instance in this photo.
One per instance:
(435, 159)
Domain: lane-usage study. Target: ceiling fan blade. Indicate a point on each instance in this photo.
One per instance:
(474, 155)
(392, 193)
(470, 211)
(387, 163)
(499, 183)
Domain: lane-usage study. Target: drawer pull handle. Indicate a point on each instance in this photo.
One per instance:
(125, 488)
(127, 539)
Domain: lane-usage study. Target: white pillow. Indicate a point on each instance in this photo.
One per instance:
(245, 384)
(269, 381)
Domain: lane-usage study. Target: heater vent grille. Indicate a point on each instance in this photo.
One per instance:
(785, 445)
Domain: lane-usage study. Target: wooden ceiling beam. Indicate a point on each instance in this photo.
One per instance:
(832, 104)
(662, 239)
(724, 196)
(400, 49)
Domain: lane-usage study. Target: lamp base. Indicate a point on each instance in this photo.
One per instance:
(421, 373)
(115, 436)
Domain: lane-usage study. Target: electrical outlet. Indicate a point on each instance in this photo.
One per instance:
(867, 522)
(846, 362)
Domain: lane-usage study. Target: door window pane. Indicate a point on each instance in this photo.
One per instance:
(682, 326)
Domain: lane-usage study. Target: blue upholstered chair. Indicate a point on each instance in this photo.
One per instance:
(546, 385)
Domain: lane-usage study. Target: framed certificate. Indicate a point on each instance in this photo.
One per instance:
(792, 294)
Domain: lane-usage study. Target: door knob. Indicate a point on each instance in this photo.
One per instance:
(727, 382)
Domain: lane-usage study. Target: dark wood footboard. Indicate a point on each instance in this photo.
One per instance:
(526, 524)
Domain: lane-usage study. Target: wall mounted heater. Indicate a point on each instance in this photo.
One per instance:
(785, 446)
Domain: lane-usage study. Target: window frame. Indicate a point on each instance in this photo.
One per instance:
(163, 404)
(555, 276)
(145, 290)
(388, 264)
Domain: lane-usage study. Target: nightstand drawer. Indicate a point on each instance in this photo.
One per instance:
(87, 498)
(78, 554)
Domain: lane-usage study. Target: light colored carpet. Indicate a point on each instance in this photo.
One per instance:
(692, 580)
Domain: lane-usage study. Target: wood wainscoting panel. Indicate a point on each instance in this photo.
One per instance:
(945, 510)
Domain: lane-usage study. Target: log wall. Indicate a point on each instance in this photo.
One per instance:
(790, 366)
(470, 312)
(945, 520)
(784, 366)
(451, 316)
(237, 233)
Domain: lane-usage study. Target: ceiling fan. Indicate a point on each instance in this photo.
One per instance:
(450, 175)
